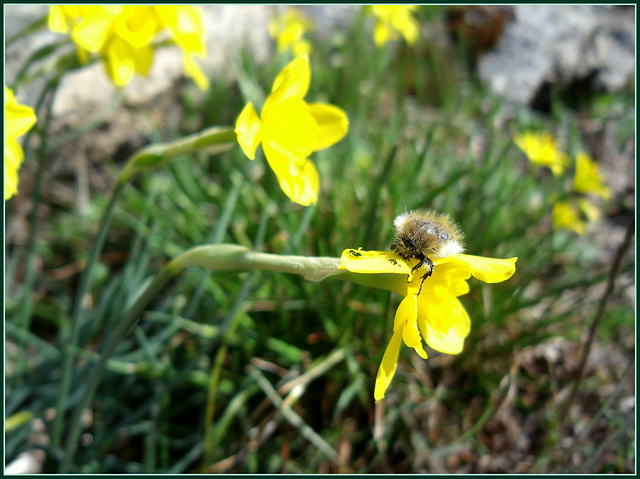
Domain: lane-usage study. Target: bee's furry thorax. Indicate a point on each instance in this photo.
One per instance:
(424, 234)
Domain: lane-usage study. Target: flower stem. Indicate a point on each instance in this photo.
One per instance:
(215, 140)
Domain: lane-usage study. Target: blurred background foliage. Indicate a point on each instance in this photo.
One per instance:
(424, 132)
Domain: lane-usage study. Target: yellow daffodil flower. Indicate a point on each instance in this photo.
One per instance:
(588, 177)
(436, 314)
(18, 119)
(289, 30)
(186, 26)
(122, 35)
(392, 20)
(590, 210)
(567, 216)
(541, 149)
(289, 130)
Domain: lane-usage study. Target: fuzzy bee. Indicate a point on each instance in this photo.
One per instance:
(425, 235)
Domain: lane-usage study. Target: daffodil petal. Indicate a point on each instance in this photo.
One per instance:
(565, 215)
(359, 261)
(248, 131)
(591, 211)
(394, 19)
(186, 25)
(91, 32)
(541, 149)
(445, 326)
(57, 20)
(20, 119)
(310, 184)
(289, 30)
(382, 34)
(121, 65)
(143, 59)
(292, 82)
(301, 184)
(388, 366)
(298, 177)
(279, 157)
(411, 337)
(489, 270)
(332, 122)
(406, 320)
(9, 97)
(13, 156)
(302, 47)
(193, 70)
(588, 178)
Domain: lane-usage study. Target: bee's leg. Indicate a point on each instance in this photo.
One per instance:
(427, 274)
(422, 261)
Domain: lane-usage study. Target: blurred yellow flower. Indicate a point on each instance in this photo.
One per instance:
(541, 149)
(394, 19)
(435, 314)
(588, 177)
(289, 30)
(186, 26)
(590, 210)
(18, 119)
(290, 130)
(567, 216)
(122, 35)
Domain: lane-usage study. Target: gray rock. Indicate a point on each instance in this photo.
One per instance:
(559, 44)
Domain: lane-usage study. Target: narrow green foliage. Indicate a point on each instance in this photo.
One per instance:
(267, 372)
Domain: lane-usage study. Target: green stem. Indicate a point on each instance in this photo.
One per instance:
(296, 421)
(215, 140)
(217, 368)
(128, 320)
(83, 288)
(33, 215)
(33, 27)
(25, 313)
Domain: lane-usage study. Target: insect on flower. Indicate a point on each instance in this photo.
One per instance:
(425, 235)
